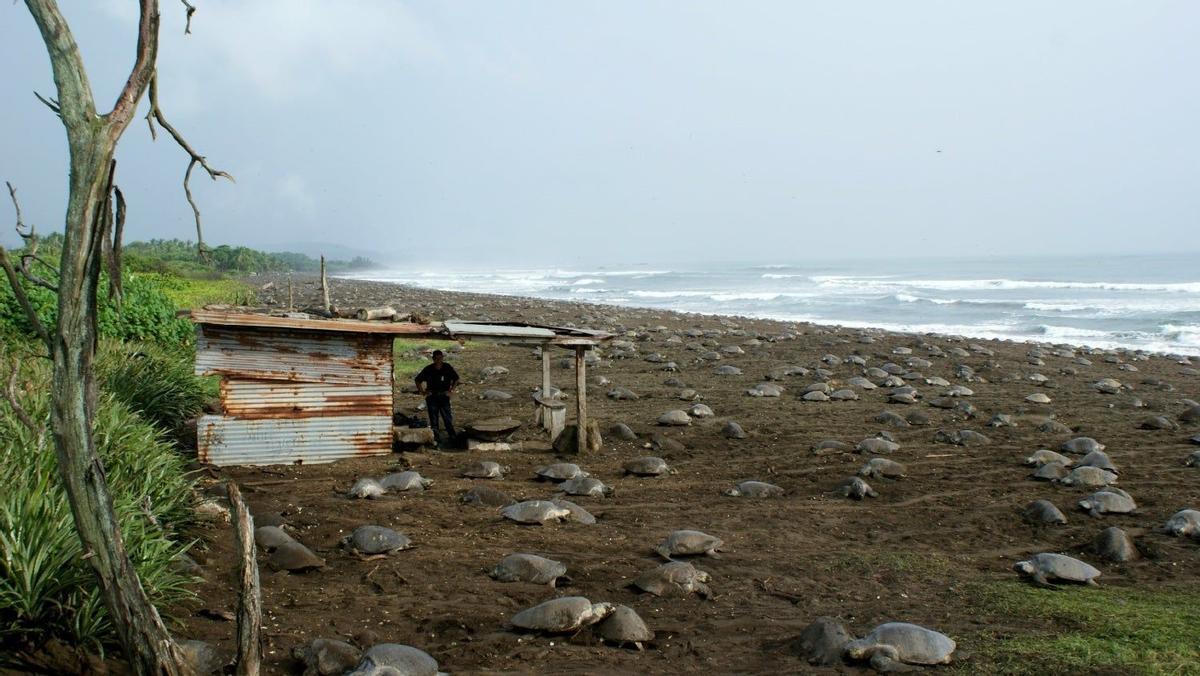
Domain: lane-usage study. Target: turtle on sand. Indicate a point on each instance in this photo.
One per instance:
(576, 513)
(1115, 544)
(880, 468)
(647, 466)
(484, 469)
(1044, 456)
(1108, 501)
(877, 446)
(486, 496)
(1184, 523)
(675, 418)
(732, 430)
(1098, 459)
(271, 537)
(892, 645)
(535, 512)
(625, 627)
(1082, 446)
(688, 543)
(1193, 460)
(394, 659)
(326, 657)
(367, 488)
(622, 431)
(1043, 511)
(675, 578)
(823, 641)
(560, 471)
(1044, 568)
(586, 486)
(529, 568)
(405, 481)
(562, 615)
(294, 557)
(1089, 477)
(375, 541)
(755, 489)
(857, 489)
(1051, 471)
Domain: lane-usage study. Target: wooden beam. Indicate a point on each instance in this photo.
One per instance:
(545, 371)
(581, 398)
(249, 611)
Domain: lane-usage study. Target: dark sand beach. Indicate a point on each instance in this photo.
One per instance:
(935, 548)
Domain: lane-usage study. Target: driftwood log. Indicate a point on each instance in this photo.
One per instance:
(249, 611)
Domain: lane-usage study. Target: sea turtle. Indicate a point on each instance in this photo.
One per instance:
(1185, 522)
(1082, 446)
(687, 543)
(367, 488)
(1044, 512)
(1107, 386)
(370, 541)
(827, 446)
(394, 659)
(843, 395)
(857, 489)
(576, 513)
(529, 568)
(1002, 420)
(755, 489)
(732, 430)
(622, 431)
(1158, 422)
(495, 395)
(1051, 471)
(891, 419)
(295, 557)
(625, 627)
(405, 481)
(823, 641)
(1098, 459)
(894, 644)
(664, 443)
(765, 390)
(483, 469)
(700, 411)
(1053, 427)
(675, 578)
(675, 418)
(877, 446)
(492, 371)
(560, 471)
(562, 615)
(1193, 460)
(1043, 568)
(586, 486)
(727, 370)
(487, 496)
(535, 511)
(1089, 477)
(326, 657)
(623, 394)
(1108, 501)
(880, 468)
(271, 537)
(1038, 398)
(815, 396)
(1043, 456)
(1115, 544)
(648, 466)
(861, 383)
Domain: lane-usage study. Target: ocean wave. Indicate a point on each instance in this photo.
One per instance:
(587, 280)
(999, 284)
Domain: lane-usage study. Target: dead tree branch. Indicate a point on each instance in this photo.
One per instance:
(114, 254)
(50, 103)
(155, 114)
(29, 253)
(10, 395)
(191, 9)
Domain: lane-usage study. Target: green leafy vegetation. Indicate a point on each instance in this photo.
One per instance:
(179, 257)
(47, 589)
(155, 381)
(1110, 629)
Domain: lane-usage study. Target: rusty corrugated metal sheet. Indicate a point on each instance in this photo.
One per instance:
(233, 441)
(253, 399)
(297, 356)
(255, 320)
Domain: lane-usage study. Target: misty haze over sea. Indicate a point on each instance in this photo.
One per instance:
(1149, 302)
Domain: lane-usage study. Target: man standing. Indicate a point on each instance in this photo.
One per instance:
(437, 382)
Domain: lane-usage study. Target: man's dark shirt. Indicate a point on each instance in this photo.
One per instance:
(438, 381)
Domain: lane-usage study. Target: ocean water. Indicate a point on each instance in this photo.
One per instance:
(1146, 302)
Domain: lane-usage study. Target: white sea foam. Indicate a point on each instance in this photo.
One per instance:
(998, 284)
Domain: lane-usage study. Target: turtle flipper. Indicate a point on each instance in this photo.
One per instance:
(885, 660)
(1040, 579)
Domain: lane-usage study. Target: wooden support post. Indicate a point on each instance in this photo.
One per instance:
(249, 610)
(581, 399)
(291, 295)
(545, 371)
(324, 286)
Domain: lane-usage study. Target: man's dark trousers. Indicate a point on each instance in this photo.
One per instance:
(438, 406)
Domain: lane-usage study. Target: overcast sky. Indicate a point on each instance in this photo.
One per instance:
(623, 131)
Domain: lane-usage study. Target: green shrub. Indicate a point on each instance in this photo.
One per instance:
(155, 381)
(47, 590)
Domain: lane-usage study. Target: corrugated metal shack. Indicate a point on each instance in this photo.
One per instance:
(297, 390)
(301, 390)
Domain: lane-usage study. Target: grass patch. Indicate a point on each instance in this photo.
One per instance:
(408, 356)
(1108, 629)
(190, 292)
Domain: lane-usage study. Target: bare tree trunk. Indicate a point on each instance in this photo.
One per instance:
(249, 613)
(324, 287)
